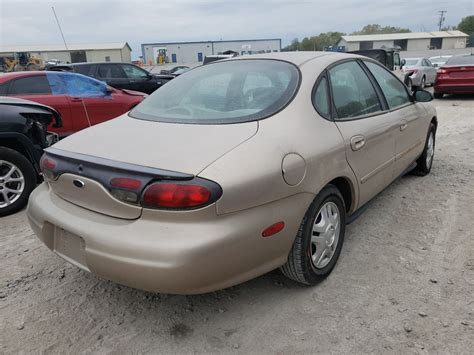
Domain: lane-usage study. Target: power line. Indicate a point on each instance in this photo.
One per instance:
(60, 30)
(441, 19)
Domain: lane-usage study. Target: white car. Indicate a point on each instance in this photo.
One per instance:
(420, 71)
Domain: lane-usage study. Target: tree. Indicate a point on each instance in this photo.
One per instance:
(467, 25)
(315, 43)
(377, 29)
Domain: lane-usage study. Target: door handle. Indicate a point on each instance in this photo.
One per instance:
(357, 142)
(403, 125)
(76, 99)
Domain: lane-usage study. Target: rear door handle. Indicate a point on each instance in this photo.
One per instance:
(76, 99)
(403, 125)
(357, 142)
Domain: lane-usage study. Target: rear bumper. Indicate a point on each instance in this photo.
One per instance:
(448, 88)
(182, 253)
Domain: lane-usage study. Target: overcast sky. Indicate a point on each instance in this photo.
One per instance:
(141, 21)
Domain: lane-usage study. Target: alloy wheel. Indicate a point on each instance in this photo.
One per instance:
(12, 183)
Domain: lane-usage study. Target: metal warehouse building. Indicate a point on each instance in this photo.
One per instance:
(194, 52)
(412, 41)
(90, 52)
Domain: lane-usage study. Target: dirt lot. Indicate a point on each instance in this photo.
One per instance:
(404, 283)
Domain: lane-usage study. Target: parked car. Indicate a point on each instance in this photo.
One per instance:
(175, 71)
(119, 75)
(81, 101)
(212, 58)
(456, 76)
(438, 61)
(23, 136)
(420, 71)
(232, 170)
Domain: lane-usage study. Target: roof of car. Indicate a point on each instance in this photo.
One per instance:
(89, 63)
(22, 74)
(297, 58)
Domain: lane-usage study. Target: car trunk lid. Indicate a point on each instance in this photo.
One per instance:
(85, 163)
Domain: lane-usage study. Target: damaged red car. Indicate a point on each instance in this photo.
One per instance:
(81, 101)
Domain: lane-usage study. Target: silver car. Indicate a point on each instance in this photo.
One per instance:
(420, 70)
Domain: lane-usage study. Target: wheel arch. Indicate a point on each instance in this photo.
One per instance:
(347, 190)
(434, 121)
(22, 145)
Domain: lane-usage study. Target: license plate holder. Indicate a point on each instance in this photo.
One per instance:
(70, 247)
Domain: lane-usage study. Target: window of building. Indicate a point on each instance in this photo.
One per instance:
(402, 43)
(436, 43)
(366, 45)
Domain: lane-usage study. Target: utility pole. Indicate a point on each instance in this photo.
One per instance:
(441, 18)
(60, 30)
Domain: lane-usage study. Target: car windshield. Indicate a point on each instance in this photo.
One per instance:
(410, 62)
(223, 92)
(461, 60)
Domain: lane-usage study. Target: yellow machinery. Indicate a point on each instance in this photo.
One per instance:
(21, 61)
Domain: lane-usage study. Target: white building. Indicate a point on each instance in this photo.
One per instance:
(75, 53)
(192, 53)
(412, 41)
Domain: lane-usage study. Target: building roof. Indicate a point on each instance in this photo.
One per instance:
(61, 47)
(409, 35)
(219, 41)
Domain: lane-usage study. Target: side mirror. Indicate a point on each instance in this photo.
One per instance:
(422, 96)
(402, 63)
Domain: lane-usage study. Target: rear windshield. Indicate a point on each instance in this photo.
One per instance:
(461, 60)
(223, 92)
(438, 60)
(411, 61)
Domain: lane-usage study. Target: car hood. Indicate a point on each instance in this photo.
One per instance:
(186, 148)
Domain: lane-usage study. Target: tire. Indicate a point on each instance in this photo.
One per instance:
(438, 95)
(409, 84)
(423, 83)
(24, 170)
(300, 266)
(425, 161)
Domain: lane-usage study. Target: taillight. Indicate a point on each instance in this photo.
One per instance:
(47, 166)
(442, 71)
(125, 189)
(181, 195)
(126, 183)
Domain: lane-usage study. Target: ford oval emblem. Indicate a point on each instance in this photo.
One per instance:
(78, 183)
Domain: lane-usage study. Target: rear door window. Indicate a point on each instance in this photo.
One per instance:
(32, 85)
(88, 70)
(111, 71)
(353, 93)
(133, 72)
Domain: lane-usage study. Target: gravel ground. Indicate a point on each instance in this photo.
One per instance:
(404, 283)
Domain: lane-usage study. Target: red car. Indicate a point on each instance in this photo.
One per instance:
(456, 76)
(81, 101)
